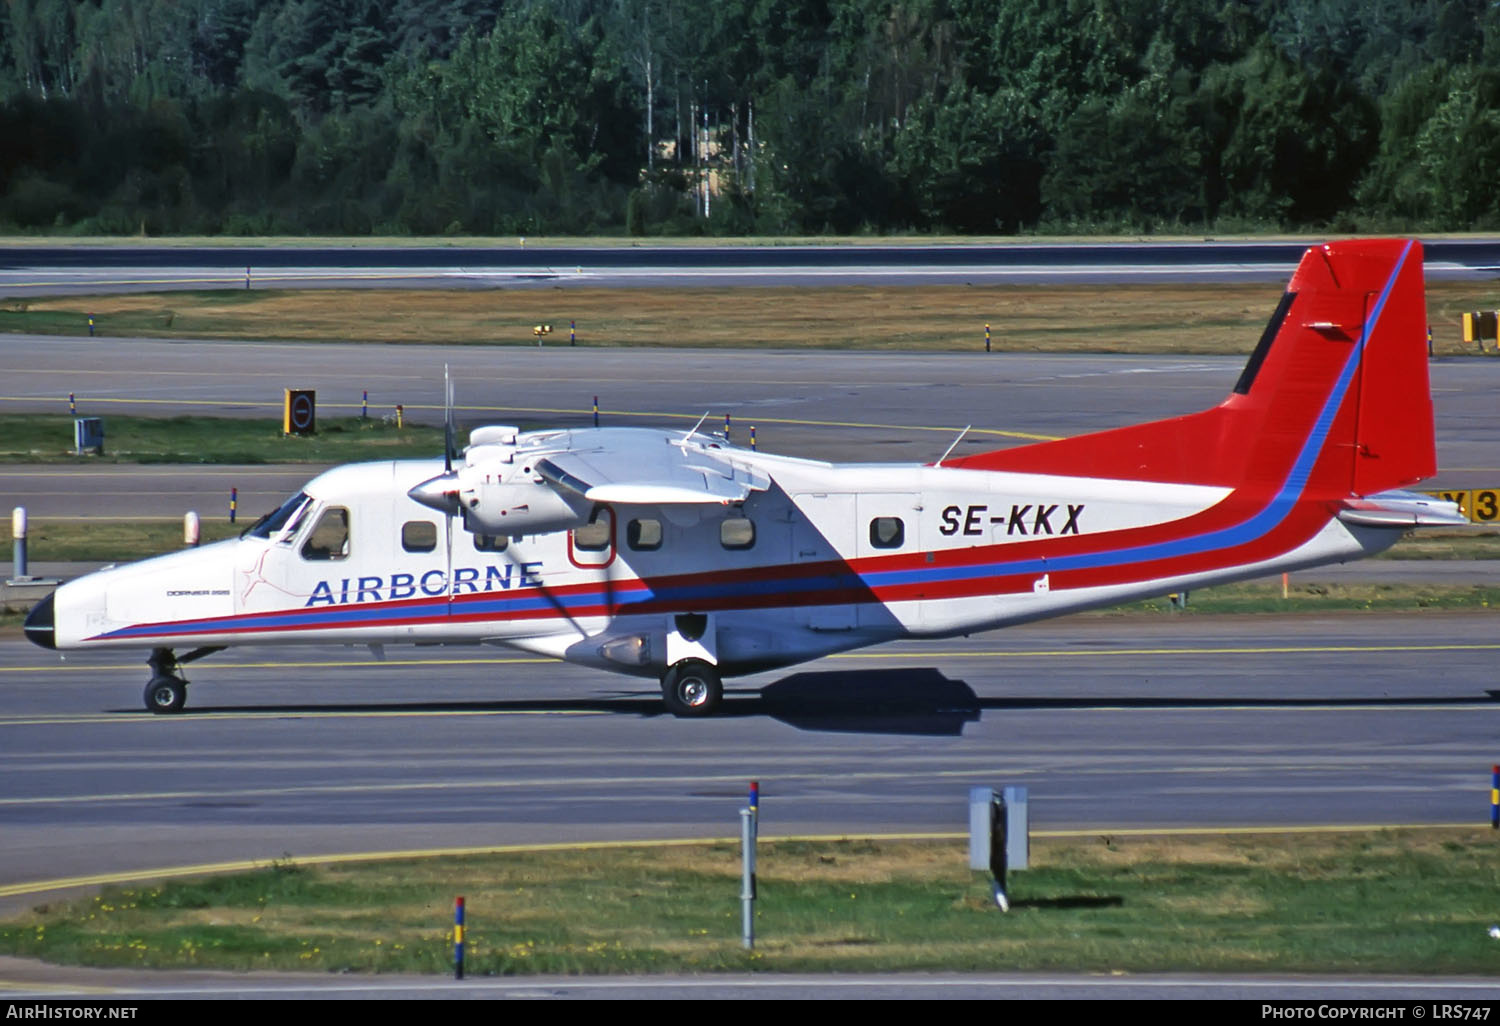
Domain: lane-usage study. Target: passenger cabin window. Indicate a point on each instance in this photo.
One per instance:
(418, 536)
(330, 536)
(737, 533)
(595, 535)
(490, 542)
(887, 532)
(644, 534)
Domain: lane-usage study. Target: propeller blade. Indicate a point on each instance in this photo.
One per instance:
(448, 564)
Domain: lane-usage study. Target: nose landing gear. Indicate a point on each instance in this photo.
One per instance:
(167, 692)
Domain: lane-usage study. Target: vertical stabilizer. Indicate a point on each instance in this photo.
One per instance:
(1333, 401)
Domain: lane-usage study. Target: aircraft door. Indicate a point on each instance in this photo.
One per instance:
(823, 532)
(887, 524)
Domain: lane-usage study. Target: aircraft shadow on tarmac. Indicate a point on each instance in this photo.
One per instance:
(913, 700)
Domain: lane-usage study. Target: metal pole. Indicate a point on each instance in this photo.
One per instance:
(747, 879)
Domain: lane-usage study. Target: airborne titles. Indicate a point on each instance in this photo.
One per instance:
(466, 579)
(1029, 519)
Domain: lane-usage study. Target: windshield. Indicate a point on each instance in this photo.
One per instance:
(272, 523)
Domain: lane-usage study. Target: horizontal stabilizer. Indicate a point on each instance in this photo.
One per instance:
(1401, 509)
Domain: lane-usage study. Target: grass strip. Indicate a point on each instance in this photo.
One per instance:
(1176, 318)
(48, 438)
(1304, 596)
(1413, 902)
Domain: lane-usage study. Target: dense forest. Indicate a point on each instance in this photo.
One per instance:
(736, 117)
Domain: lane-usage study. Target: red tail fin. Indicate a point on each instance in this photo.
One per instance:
(1342, 366)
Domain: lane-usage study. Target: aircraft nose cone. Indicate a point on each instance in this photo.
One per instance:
(39, 624)
(439, 493)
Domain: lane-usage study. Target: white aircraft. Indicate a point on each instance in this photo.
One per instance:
(678, 556)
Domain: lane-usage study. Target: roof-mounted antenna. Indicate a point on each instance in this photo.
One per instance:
(950, 448)
(694, 429)
(447, 421)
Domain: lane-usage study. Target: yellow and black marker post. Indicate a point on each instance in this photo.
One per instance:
(458, 938)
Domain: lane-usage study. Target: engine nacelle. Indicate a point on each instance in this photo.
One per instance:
(515, 506)
(500, 492)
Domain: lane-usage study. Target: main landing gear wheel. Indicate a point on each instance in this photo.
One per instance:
(166, 694)
(692, 688)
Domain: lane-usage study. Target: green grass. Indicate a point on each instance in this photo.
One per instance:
(1178, 318)
(48, 438)
(115, 541)
(1304, 596)
(1371, 902)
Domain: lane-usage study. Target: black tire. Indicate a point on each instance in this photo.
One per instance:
(166, 695)
(692, 688)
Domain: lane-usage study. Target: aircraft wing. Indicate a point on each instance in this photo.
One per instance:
(672, 474)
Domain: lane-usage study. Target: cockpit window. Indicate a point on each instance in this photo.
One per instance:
(276, 521)
(330, 537)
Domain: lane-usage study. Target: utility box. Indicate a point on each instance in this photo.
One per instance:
(1000, 821)
(88, 435)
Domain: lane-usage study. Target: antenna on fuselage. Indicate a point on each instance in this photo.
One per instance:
(950, 448)
(447, 421)
(694, 429)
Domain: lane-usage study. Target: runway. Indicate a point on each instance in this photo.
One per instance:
(1112, 724)
(51, 270)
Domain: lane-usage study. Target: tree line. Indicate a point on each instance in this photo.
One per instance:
(745, 117)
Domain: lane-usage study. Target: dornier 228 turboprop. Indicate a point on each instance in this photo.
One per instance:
(677, 556)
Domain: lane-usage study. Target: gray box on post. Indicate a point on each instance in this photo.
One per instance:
(1017, 828)
(88, 435)
(1017, 811)
(979, 826)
